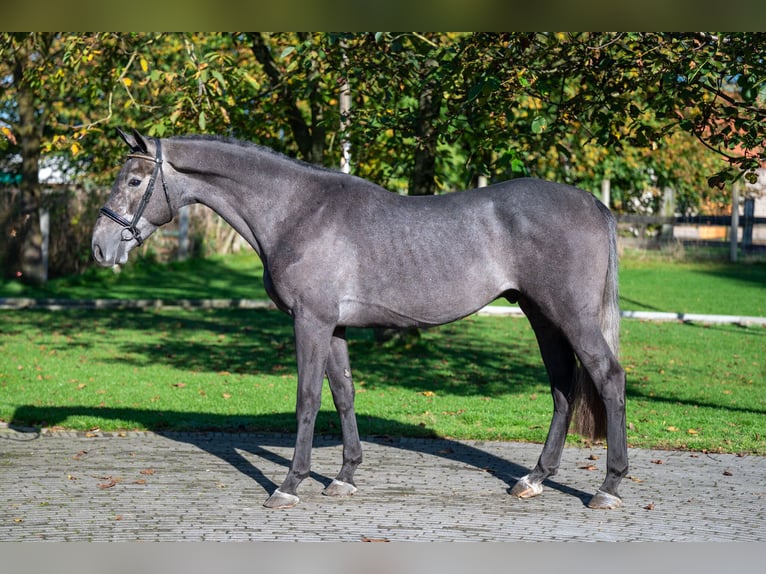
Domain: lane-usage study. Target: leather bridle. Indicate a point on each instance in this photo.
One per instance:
(130, 228)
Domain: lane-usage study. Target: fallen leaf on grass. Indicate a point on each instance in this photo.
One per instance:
(428, 394)
(672, 429)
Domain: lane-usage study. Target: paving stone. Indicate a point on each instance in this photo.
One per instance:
(67, 486)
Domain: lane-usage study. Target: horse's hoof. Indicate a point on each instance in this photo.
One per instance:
(526, 489)
(604, 501)
(339, 488)
(281, 500)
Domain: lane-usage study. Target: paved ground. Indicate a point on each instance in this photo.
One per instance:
(70, 486)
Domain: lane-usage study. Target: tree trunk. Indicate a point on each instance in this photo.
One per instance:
(25, 253)
(309, 138)
(423, 177)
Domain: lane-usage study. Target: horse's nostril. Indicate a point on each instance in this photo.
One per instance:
(97, 253)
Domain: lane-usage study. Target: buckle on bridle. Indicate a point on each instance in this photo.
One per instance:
(129, 233)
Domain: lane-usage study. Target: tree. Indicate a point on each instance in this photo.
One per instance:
(431, 111)
(22, 55)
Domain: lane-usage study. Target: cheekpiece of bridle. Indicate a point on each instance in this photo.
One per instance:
(130, 229)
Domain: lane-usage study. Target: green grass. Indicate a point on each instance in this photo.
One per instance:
(689, 386)
(231, 277)
(654, 283)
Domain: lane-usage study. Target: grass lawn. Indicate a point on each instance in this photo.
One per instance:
(231, 277)
(689, 386)
(653, 283)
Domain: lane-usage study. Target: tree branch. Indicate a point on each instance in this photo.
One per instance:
(298, 125)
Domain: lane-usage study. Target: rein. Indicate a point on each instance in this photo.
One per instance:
(130, 228)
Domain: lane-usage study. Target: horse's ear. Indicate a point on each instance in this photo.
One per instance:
(135, 141)
(140, 142)
(127, 139)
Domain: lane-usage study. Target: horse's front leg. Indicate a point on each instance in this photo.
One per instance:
(312, 346)
(342, 387)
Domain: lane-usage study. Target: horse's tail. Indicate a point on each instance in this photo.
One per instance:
(589, 416)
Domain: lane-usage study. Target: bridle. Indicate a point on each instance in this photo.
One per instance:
(130, 228)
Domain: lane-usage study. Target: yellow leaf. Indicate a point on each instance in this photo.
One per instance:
(8, 134)
(672, 429)
(75, 148)
(692, 431)
(428, 394)
(127, 81)
(144, 64)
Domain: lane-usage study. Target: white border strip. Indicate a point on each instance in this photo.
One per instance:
(504, 311)
(16, 303)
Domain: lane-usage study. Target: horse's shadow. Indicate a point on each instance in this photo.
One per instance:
(229, 446)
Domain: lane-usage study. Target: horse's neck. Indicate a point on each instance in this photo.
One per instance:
(246, 186)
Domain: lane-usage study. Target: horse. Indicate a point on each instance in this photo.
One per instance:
(339, 251)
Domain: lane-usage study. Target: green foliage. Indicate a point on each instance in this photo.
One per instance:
(430, 112)
(540, 100)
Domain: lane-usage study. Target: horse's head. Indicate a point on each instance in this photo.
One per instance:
(136, 206)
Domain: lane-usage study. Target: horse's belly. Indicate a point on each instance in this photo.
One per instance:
(427, 307)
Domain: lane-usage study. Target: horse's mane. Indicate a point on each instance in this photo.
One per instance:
(254, 146)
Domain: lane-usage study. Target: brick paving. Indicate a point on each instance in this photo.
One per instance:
(72, 486)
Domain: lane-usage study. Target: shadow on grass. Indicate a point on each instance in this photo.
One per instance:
(463, 359)
(253, 436)
(748, 273)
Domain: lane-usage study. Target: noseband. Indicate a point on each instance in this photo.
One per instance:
(130, 228)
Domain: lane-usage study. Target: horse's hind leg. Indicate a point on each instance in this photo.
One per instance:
(609, 379)
(342, 387)
(559, 361)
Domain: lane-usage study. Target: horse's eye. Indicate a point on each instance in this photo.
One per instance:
(135, 182)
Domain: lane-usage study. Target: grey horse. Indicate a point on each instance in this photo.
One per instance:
(339, 251)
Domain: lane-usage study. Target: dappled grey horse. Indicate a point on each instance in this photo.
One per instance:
(339, 251)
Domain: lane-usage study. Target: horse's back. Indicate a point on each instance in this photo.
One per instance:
(429, 260)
